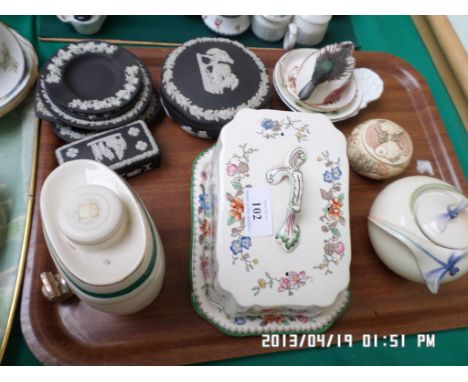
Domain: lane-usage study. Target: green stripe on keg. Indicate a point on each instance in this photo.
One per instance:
(131, 287)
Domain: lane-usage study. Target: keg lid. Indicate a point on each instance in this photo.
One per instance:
(91, 214)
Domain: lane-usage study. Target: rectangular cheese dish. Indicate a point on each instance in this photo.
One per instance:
(271, 219)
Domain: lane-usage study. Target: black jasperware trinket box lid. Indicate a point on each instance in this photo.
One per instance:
(206, 81)
(128, 150)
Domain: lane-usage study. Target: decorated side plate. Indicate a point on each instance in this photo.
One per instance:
(92, 77)
(12, 62)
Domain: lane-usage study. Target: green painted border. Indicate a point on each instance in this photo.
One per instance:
(196, 304)
(131, 287)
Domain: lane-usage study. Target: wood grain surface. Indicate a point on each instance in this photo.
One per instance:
(169, 331)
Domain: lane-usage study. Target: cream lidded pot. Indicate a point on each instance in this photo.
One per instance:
(101, 238)
(418, 226)
(311, 29)
(379, 149)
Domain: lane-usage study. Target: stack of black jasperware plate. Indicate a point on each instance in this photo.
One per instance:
(93, 86)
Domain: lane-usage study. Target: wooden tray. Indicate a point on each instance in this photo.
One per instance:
(169, 331)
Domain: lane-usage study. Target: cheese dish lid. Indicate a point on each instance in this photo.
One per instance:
(280, 203)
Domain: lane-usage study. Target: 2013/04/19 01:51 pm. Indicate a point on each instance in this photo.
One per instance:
(339, 340)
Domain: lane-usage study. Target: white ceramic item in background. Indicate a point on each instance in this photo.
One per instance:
(418, 227)
(12, 61)
(88, 27)
(227, 25)
(288, 173)
(270, 28)
(311, 29)
(101, 238)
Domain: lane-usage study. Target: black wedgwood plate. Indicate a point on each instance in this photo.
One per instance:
(92, 77)
(130, 115)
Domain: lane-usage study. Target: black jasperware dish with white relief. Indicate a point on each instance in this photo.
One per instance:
(132, 114)
(92, 77)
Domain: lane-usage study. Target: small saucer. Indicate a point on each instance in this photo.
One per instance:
(338, 115)
(201, 281)
(367, 84)
(227, 25)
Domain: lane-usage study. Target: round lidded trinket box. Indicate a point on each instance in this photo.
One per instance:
(379, 149)
(206, 81)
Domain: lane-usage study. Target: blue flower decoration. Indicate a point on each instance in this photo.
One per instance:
(245, 242)
(327, 176)
(336, 173)
(236, 247)
(239, 320)
(268, 123)
(205, 204)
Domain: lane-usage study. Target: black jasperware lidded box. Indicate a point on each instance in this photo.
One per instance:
(206, 81)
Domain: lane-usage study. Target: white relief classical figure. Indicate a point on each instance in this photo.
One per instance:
(109, 147)
(215, 70)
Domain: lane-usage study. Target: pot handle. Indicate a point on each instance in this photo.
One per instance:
(291, 37)
(432, 267)
(54, 287)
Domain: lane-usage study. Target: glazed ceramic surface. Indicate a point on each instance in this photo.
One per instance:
(227, 25)
(418, 226)
(101, 238)
(12, 61)
(296, 259)
(379, 149)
